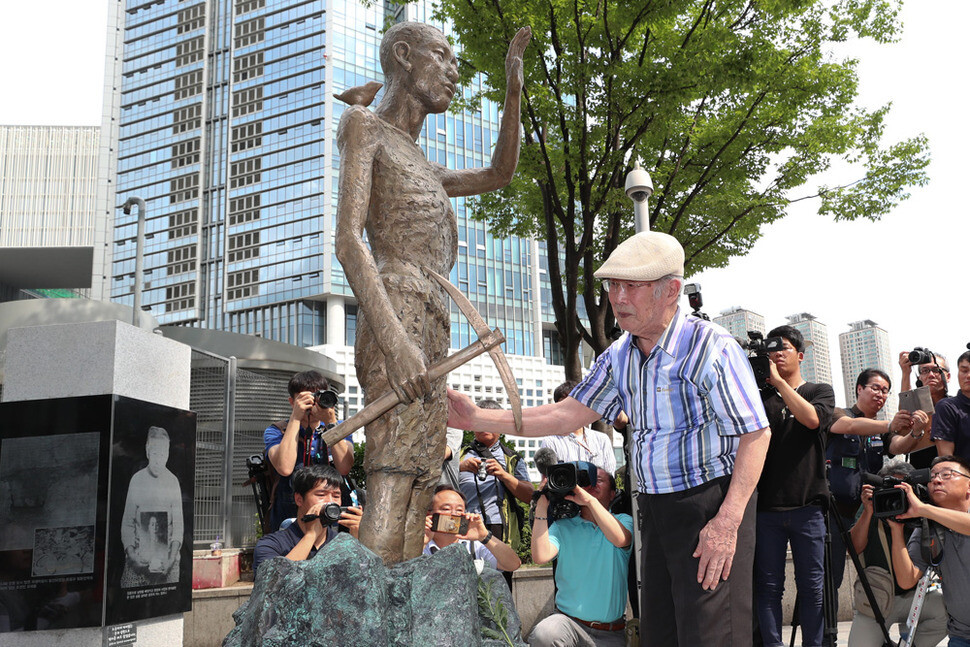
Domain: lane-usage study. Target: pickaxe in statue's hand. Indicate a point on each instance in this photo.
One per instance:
(489, 341)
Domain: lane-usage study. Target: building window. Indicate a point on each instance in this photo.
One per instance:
(350, 318)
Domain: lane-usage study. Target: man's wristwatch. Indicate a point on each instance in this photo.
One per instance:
(488, 538)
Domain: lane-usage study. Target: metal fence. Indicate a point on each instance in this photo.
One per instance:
(233, 406)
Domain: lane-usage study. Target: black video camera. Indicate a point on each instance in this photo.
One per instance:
(329, 514)
(326, 399)
(758, 348)
(561, 480)
(888, 501)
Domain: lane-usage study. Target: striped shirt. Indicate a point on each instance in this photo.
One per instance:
(688, 401)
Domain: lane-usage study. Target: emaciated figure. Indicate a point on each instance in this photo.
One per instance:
(390, 190)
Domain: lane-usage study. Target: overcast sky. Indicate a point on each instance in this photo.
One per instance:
(906, 272)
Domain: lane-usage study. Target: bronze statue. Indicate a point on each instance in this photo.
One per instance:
(391, 191)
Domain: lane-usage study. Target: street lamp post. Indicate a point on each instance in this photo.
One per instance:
(139, 253)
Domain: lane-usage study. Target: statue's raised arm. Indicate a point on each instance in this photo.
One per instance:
(505, 157)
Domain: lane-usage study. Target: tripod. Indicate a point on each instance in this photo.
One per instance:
(830, 593)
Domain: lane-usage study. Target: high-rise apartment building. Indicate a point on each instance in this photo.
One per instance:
(739, 321)
(225, 126)
(866, 345)
(817, 365)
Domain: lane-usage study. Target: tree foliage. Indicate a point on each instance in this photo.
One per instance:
(731, 105)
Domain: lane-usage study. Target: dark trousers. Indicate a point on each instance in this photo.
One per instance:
(674, 610)
(805, 529)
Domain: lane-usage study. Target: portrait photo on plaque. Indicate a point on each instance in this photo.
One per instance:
(53, 507)
(151, 507)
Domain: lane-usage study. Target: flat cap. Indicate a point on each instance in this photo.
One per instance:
(647, 256)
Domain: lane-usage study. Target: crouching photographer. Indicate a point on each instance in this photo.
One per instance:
(872, 539)
(942, 544)
(592, 549)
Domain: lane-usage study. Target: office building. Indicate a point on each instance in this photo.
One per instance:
(817, 365)
(48, 186)
(739, 321)
(224, 123)
(866, 345)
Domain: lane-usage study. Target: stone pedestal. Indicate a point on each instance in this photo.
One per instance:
(90, 359)
(346, 596)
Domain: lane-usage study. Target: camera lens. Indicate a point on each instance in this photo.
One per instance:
(330, 512)
(326, 399)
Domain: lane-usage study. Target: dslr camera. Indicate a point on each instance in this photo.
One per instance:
(758, 348)
(889, 501)
(326, 399)
(562, 479)
(920, 355)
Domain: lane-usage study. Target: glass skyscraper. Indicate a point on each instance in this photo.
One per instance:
(226, 127)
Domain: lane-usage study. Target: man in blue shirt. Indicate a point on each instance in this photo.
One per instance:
(593, 553)
(315, 487)
(699, 434)
(296, 442)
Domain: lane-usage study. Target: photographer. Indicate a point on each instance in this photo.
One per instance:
(791, 492)
(872, 539)
(593, 557)
(583, 444)
(315, 487)
(492, 477)
(951, 422)
(296, 442)
(917, 442)
(480, 542)
(950, 496)
(856, 444)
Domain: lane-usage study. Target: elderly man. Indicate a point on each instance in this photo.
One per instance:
(403, 202)
(699, 436)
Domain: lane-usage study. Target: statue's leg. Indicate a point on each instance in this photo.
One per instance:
(405, 447)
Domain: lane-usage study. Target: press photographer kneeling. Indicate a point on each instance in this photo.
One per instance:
(592, 547)
(949, 488)
(872, 538)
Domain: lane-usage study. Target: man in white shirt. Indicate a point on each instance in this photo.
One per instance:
(583, 444)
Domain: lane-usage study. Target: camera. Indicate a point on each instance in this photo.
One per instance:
(696, 301)
(256, 465)
(920, 356)
(561, 480)
(329, 514)
(639, 186)
(326, 399)
(888, 501)
(758, 348)
(454, 524)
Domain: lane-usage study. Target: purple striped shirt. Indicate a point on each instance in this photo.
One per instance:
(688, 401)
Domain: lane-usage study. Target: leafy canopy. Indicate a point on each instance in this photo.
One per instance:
(730, 105)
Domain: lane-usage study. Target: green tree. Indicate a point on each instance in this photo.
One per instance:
(731, 105)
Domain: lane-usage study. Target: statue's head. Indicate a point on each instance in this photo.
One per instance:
(417, 59)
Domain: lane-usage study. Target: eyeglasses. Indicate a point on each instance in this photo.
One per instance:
(884, 390)
(927, 370)
(615, 285)
(947, 474)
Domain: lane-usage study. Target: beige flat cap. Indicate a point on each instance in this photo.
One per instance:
(647, 256)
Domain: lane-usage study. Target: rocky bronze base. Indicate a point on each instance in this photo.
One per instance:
(346, 596)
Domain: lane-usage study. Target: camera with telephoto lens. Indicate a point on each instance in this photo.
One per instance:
(326, 399)
(561, 480)
(888, 501)
(329, 514)
(920, 355)
(758, 348)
